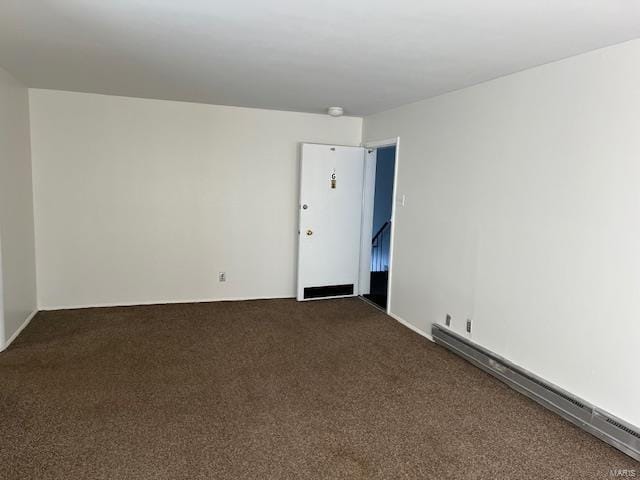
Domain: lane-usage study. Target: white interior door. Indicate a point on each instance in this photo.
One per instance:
(331, 182)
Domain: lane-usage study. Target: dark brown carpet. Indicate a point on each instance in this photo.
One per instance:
(267, 390)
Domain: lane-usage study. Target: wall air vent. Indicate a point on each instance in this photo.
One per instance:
(606, 427)
(328, 291)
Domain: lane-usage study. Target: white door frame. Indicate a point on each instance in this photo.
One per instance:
(366, 228)
(375, 144)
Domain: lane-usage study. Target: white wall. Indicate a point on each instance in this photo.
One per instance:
(523, 213)
(146, 201)
(17, 262)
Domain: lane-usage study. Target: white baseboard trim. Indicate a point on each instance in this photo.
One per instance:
(411, 327)
(17, 332)
(160, 302)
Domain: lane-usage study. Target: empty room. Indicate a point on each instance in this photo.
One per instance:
(319, 239)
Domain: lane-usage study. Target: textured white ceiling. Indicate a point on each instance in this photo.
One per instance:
(366, 55)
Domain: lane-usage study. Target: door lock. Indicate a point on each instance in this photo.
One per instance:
(309, 232)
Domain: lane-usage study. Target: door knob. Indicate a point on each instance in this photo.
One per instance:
(309, 232)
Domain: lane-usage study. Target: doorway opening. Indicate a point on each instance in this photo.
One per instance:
(346, 221)
(380, 241)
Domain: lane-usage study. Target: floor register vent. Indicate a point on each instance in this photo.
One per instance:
(606, 427)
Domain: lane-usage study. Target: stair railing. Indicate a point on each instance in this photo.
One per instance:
(379, 260)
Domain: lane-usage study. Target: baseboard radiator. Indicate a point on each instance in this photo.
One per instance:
(606, 427)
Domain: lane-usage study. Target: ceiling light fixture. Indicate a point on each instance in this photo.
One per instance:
(335, 111)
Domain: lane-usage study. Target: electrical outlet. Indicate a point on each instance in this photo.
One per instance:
(222, 277)
(468, 325)
(447, 320)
